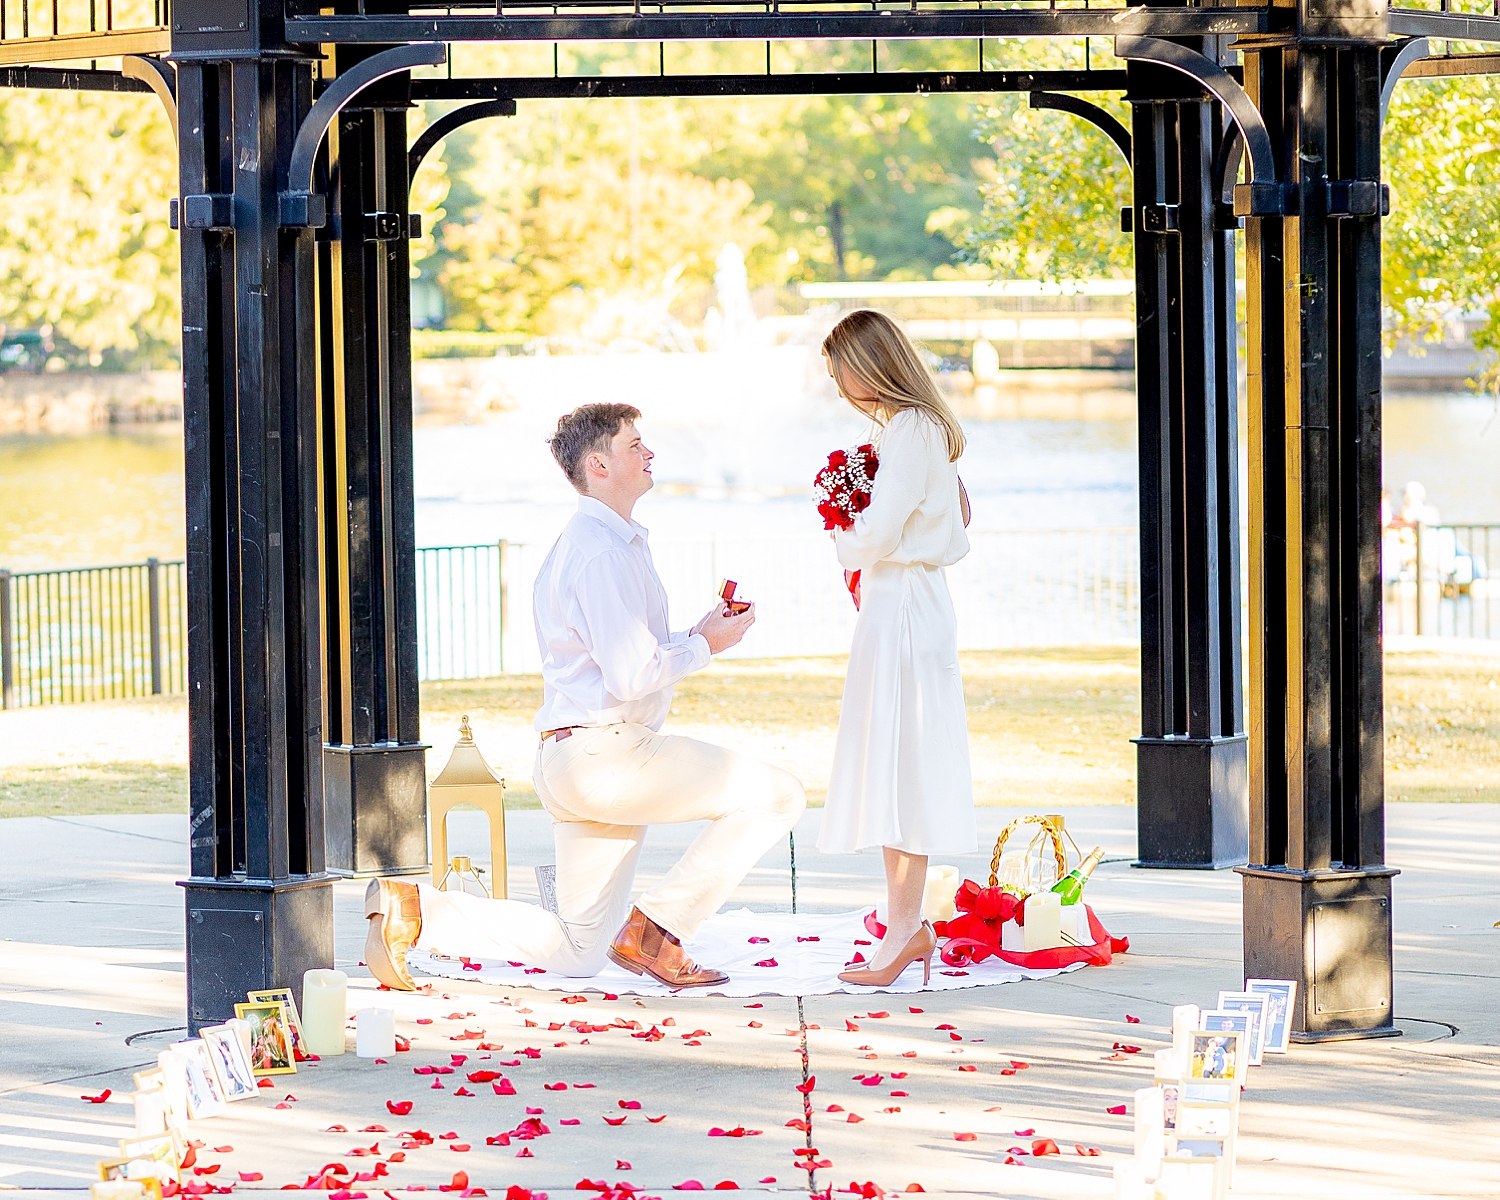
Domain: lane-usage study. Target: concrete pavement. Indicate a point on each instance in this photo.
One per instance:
(91, 986)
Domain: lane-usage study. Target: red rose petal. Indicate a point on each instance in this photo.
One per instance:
(336, 1129)
(628, 1103)
(968, 1066)
(806, 1088)
(1087, 1151)
(1132, 1020)
(900, 1094)
(854, 1119)
(1044, 1146)
(871, 1080)
(251, 1176)
(965, 1137)
(1024, 1132)
(100, 1098)
(265, 1083)
(1116, 1110)
(1020, 1066)
(657, 1120)
(766, 962)
(614, 1120)
(915, 1010)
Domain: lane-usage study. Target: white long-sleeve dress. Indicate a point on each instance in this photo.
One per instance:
(901, 764)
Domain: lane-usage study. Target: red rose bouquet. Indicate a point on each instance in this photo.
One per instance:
(843, 489)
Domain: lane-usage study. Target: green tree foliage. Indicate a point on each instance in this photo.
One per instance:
(84, 241)
(1052, 202)
(1442, 240)
(1053, 191)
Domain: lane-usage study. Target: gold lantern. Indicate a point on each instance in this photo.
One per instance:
(468, 782)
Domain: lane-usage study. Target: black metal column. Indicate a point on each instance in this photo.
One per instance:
(375, 762)
(259, 903)
(1191, 755)
(1317, 902)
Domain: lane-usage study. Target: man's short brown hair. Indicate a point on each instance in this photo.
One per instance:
(588, 429)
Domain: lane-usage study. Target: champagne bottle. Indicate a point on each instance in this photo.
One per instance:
(1070, 886)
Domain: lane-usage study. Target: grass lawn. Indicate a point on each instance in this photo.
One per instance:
(1045, 727)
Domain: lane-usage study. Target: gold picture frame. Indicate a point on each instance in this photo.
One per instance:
(270, 1038)
(294, 1018)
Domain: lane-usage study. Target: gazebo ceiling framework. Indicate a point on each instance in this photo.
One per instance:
(306, 761)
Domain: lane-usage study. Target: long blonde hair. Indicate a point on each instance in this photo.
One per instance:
(870, 349)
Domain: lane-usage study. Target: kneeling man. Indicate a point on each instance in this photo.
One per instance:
(603, 771)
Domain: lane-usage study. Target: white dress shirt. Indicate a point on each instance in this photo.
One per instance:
(601, 623)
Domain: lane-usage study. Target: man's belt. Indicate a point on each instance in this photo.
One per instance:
(565, 732)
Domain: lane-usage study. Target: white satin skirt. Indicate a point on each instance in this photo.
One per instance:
(901, 773)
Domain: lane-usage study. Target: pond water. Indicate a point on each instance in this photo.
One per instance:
(730, 459)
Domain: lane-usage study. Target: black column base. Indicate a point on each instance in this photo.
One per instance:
(1192, 802)
(1330, 931)
(243, 935)
(375, 801)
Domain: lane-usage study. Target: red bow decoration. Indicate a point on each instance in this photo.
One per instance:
(974, 934)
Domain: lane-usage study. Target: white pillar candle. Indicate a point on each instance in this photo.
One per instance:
(1169, 1066)
(323, 995)
(1185, 1019)
(1129, 1182)
(1150, 1137)
(937, 894)
(375, 1035)
(117, 1189)
(1043, 928)
(150, 1112)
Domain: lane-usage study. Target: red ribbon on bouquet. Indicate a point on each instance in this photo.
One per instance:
(974, 934)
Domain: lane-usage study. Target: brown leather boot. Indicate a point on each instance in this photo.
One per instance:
(643, 947)
(394, 915)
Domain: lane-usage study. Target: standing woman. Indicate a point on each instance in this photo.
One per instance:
(901, 765)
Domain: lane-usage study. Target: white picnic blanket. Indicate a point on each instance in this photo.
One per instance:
(801, 954)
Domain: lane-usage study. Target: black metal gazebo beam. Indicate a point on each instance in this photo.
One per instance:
(785, 24)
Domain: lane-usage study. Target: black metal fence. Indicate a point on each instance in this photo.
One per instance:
(102, 633)
(1441, 581)
(92, 633)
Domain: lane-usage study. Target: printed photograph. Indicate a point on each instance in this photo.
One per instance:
(231, 1063)
(1251, 1002)
(1214, 1055)
(1280, 995)
(293, 1017)
(270, 1038)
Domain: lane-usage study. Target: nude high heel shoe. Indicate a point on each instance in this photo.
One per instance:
(921, 946)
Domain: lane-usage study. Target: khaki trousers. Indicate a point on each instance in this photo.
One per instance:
(603, 787)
